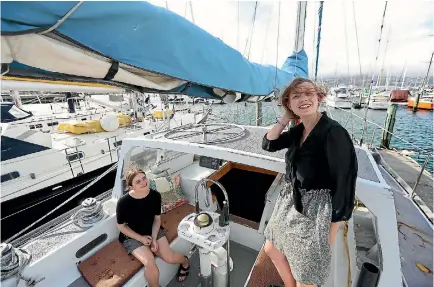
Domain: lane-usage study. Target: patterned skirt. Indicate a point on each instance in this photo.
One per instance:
(303, 237)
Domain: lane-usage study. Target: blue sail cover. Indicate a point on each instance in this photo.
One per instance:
(154, 39)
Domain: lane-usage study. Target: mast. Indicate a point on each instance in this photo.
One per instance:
(300, 26)
(403, 77)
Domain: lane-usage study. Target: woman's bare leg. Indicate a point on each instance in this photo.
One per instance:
(334, 227)
(144, 255)
(168, 255)
(281, 264)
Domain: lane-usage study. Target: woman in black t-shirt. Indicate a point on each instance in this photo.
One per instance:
(321, 172)
(138, 214)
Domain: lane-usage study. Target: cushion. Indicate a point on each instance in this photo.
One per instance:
(109, 267)
(113, 267)
(171, 195)
(264, 273)
(162, 184)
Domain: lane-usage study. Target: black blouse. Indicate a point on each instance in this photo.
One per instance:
(326, 160)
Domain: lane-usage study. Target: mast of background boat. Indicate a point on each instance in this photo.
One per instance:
(360, 63)
(403, 77)
(423, 85)
(384, 59)
(372, 79)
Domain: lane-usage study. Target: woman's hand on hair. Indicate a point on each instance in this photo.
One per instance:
(288, 116)
(146, 240)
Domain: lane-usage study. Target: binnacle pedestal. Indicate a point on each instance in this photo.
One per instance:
(204, 231)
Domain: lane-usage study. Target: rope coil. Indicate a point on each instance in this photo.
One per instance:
(90, 213)
(13, 260)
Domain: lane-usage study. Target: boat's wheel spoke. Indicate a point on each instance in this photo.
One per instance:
(206, 133)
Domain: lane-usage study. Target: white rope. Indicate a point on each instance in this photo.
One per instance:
(62, 19)
(13, 260)
(90, 213)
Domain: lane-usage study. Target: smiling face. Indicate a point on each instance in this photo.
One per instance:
(139, 183)
(304, 100)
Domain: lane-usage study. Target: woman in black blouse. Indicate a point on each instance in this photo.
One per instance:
(321, 172)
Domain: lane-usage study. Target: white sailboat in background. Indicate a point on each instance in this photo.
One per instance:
(339, 97)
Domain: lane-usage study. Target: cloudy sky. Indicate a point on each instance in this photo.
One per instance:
(409, 27)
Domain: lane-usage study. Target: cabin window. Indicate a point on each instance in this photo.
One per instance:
(75, 156)
(38, 126)
(32, 127)
(52, 124)
(118, 143)
(9, 176)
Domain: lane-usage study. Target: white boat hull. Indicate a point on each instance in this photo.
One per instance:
(378, 105)
(339, 104)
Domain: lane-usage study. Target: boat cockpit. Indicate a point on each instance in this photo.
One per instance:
(236, 189)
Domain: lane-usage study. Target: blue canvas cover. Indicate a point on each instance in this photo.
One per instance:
(154, 39)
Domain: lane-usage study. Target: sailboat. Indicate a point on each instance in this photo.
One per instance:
(81, 248)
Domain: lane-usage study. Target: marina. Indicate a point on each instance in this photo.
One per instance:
(186, 105)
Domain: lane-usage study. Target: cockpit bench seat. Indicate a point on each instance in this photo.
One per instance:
(263, 272)
(113, 267)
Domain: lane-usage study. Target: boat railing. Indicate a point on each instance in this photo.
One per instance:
(369, 140)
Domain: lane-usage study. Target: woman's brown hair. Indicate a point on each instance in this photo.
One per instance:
(320, 90)
(131, 174)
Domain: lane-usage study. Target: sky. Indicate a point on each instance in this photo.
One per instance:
(408, 33)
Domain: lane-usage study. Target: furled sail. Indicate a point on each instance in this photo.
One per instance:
(134, 45)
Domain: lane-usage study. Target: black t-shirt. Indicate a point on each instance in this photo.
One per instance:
(138, 214)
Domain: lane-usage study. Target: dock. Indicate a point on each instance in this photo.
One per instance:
(408, 170)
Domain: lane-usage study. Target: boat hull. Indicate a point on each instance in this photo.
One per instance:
(339, 104)
(423, 105)
(378, 105)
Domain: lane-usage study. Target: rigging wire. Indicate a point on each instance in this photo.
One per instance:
(346, 44)
(238, 26)
(358, 47)
(313, 43)
(372, 79)
(266, 37)
(384, 59)
(250, 36)
(277, 44)
(320, 11)
(191, 11)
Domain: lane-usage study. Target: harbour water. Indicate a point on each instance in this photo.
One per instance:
(412, 131)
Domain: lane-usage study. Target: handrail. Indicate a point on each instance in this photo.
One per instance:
(382, 128)
(429, 154)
